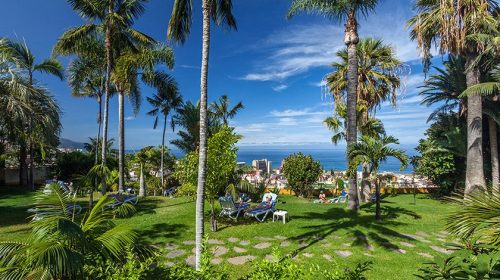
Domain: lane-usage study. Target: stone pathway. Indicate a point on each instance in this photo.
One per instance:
(285, 244)
(219, 251)
(422, 234)
(368, 255)
(308, 255)
(175, 253)
(233, 239)
(406, 244)
(279, 237)
(239, 250)
(327, 257)
(171, 246)
(262, 245)
(441, 250)
(425, 255)
(240, 260)
(326, 245)
(261, 238)
(216, 261)
(188, 242)
(343, 254)
(215, 242)
(191, 260)
(244, 243)
(346, 244)
(399, 250)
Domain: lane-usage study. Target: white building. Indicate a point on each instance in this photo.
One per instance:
(263, 165)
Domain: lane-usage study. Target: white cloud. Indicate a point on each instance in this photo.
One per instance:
(130, 118)
(280, 87)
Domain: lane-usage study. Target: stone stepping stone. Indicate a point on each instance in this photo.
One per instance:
(270, 257)
(169, 264)
(441, 239)
(399, 250)
(422, 234)
(368, 255)
(262, 245)
(215, 242)
(346, 244)
(303, 245)
(424, 240)
(343, 254)
(334, 237)
(406, 244)
(233, 239)
(285, 244)
(216, 261)
(425, 255)
(308, 255)
(219, 251)
(240, 260)
(189, 242)
(244, 243)
(175, 253)
(326, 245)
(441, 250)
(171, 246)
(327, 257)
(191, 260)
(261, 238)
(280, 237)
(239, 250)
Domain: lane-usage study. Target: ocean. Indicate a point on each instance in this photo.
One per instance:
(330, 157)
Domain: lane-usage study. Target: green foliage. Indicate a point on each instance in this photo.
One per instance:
(302, 172)
(279, 268)
(73, 164)
(187, 189)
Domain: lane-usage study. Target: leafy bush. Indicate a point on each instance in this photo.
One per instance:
(301, 172)
(186, 189)
(279, 268)
(73, 164)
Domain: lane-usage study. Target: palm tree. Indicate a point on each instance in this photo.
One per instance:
(62, 242)
(449, 24)
(222, 110)
(179, 27)
(377, 82)
(19, 54)
(130, 65)
(374, 151)
(348, 11)
(486, 89)
(445, 86)
(167, 99)
(111, 21)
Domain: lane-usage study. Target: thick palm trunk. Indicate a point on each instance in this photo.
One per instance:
(378, 218)
(351, 39)
(474, 176)
(23, 172)
(365, 183)
(121, 142)
(163, 152)
(200, 191)
(107, 92)
(142, 185)
(99, 124)
(492, 125)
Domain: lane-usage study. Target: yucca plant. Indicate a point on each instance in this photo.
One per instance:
(61, 243)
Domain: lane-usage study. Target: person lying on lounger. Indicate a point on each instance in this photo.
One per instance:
(263, 205)
(322, 197)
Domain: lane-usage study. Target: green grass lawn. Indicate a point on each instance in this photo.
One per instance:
(316, 233)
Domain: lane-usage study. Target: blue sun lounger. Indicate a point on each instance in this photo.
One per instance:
(230, 208)
(262, 210)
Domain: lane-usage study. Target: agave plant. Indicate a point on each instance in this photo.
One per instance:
(62, 243)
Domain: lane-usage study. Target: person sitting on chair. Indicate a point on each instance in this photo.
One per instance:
(322, 197)
(263, 205)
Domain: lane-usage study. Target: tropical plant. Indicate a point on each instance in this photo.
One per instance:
(449, 25)
(301, 172)
(19, 54)
(179, 27)
(62, 242)
(349, 11)
(167, 100)
(221, 109)
(374, 151)
(107, 20)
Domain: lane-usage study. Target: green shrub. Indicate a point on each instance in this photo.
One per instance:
(186, 189)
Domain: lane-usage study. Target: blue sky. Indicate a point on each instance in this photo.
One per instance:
(273, 65)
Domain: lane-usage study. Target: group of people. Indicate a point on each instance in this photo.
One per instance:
(323, 199)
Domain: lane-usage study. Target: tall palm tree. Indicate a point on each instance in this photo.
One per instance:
(349, 11)
(111, 21)
(449, 24)
(19, 54)
(130, 66)
(179, 27)
(222, 110)
(490, 89)
(374, 151)
(377, 82)
(445, 86)
(166, 100)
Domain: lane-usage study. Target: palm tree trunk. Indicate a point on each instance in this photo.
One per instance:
(365, 183)
(351, 39)
(31, 179)
(200, 191)
(121, 141)
(378, 218)
(163, 151)
(99, 124)
(474, 176)
(107, 92)
(142, 186)
(492, 125)
(23, 179)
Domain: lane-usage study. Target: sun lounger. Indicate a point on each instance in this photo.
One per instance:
(339, 199)
(121, 199)
(230, 208)
(262, 210)
(40, 214)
